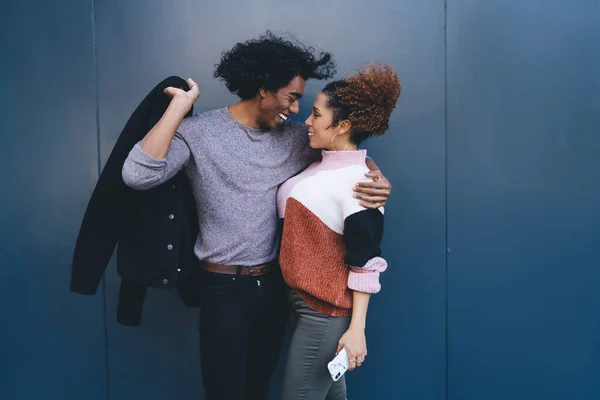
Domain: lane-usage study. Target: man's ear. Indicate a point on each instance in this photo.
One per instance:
(262, 92)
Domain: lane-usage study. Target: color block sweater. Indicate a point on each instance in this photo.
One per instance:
(330, 243)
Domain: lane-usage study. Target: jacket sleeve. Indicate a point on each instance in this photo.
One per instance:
(103, 217)
(363, 231)
(105, 212)
(142, 171)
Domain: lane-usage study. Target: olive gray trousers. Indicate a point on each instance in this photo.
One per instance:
(315, 338)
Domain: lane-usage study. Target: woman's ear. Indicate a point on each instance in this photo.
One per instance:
(344, 127)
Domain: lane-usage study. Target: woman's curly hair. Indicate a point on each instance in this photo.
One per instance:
(365, 99)
(270, 62)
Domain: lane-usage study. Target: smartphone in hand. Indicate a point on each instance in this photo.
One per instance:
(339, 365)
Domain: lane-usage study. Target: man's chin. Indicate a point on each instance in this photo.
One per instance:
(272, 124)
(278, 123)
(267, 126)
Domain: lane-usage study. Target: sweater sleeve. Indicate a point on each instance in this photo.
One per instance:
(363, 232)
(141, 171)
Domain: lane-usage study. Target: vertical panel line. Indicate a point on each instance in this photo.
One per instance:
(447, 250)
(99, 167)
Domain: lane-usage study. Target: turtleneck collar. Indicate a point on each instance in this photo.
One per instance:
(340, 159)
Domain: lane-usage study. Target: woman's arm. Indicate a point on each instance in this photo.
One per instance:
(354, 339)
(363, 231)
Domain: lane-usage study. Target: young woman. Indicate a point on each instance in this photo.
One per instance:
(330, 254)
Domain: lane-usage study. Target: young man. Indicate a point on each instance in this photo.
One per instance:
(236, 158)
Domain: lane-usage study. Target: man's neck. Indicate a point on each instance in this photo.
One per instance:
(246, 112)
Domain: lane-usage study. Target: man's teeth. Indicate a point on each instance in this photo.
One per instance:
(283, 117)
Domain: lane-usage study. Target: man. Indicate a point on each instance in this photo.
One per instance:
(235, 159)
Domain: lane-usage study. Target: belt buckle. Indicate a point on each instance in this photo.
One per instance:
(256, 271)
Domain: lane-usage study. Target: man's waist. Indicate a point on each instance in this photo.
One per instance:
(254, 270)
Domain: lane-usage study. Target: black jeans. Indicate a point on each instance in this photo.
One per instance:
(242, 325)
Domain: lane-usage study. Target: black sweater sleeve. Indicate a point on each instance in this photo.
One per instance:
(362, 235)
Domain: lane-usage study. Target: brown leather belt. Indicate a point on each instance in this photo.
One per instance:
(256, 270)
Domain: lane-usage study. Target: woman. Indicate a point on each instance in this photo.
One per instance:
(330, 245)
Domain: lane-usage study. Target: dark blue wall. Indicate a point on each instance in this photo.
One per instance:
(493, 152)
(51, 341)
(523, 199)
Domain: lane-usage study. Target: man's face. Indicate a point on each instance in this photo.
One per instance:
(282, 103)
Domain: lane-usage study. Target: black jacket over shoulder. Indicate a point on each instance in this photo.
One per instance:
(155, 229)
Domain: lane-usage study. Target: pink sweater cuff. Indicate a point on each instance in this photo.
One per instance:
(366, 279)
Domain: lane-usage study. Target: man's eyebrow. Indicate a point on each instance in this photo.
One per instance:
(296, 95)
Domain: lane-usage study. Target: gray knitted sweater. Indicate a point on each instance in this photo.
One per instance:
(234, 172)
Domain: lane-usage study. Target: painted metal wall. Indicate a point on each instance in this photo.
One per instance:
(523, 199)
(51, 341)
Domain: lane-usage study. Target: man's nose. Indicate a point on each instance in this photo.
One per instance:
(295, 107)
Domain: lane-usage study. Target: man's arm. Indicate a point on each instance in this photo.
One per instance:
(161, 153)
(142, 171)
(156, 143)
(373, 194)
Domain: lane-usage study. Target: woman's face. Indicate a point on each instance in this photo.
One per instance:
(319, 124)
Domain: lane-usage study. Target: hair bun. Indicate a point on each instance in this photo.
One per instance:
(374, 90)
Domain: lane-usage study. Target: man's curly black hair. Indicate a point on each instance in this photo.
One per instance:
(270, 62)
